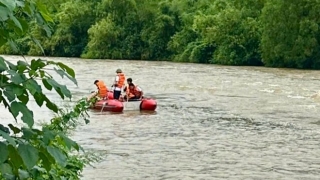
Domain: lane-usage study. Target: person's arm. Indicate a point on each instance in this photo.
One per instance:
(116, 81)
(139, 89)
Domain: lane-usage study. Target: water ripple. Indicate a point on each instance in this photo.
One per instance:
(212, 122)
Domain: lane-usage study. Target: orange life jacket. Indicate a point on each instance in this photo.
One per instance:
(121, 81)
(133, 92)
(102, 89)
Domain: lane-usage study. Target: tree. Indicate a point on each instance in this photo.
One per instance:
(290, 34)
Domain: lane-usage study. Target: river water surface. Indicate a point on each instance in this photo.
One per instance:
(212, 122)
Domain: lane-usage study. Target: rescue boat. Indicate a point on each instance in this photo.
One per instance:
(109, 105)
(146, 104)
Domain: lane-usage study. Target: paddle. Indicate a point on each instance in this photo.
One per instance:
(104, 105)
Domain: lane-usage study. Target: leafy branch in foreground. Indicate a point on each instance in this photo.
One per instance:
(27, 152)
(31, 152)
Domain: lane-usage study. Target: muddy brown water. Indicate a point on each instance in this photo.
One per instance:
(212, 122)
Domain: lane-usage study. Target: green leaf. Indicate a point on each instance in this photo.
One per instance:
(32, 86)
(53, 83)
(28, 9)
(87, 121)
(7, 137)
(37, 43)
(46, 84)
(62, 73)
(27, 115)
(24, 25)
(4, 14)
(11, 4)
(59, 157)
(15, 158)
(69, 70)
(48, 30)
(27, 133)
(6, 104)
(46, 17)
(29, 155)
(65, 91)
(37, 169)
(69, 143)
(17, 78)
(12, 66)
(16, 22)
(6, 170)
(23, 174)
(48, 136)
(44, 12)
(14, 129)
(22, 65)
(4, 129)
(4, 152)
(13, 45)
(9, 94)
(24, 98)
(60, 89)
(45, 161)
(18, 90)
(4, 33)
(42, 73)
(51, 105)
(3, 39)
(37, 64)
(20, 3)
(39, 97)
(32, 73)
(15, 108)
(4, 80)
(3, 65)
(39, 19)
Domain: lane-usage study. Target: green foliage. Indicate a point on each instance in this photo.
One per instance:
(28, 152)
(38, 153)
(232, 32)
(235, 32)
(105, 34)
(291, 34)
(73, 21)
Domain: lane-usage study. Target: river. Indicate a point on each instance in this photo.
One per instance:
(212, 122)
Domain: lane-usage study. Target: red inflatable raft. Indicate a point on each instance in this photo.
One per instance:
(109, 105)
(147, 104)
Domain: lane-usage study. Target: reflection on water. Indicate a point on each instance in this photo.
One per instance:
(212, 122)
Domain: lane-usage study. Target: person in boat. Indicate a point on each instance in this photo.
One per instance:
(129, 80)
(118, 84)
(102, 90)
(133, 92)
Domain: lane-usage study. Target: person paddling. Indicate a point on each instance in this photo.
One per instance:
(118, 84)
(102, 90)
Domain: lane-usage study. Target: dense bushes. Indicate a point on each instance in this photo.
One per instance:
(273, 33)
